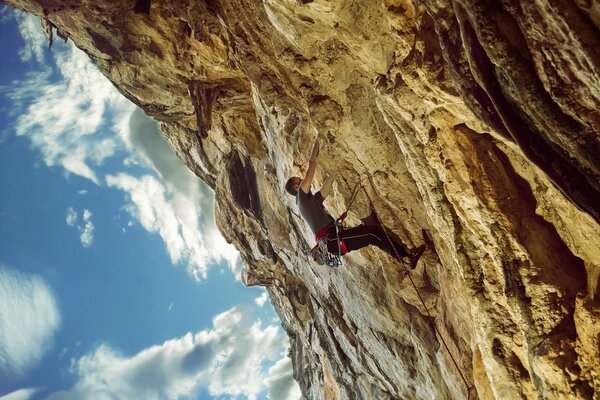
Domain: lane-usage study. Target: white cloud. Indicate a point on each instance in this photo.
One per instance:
(177, 217)
(35, 40)
(86, 229)
(29, 318)
(281, 382)
(227, 360)
(71, 121)
(21, 394)
(170, 306)
(71, 216)
(262, 299)
(191, 199)
(77, 166)
(81, 120)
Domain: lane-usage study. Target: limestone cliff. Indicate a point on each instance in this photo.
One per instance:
(477, 121)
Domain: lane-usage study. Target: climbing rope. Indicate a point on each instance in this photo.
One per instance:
(407, 273)
(354, 193)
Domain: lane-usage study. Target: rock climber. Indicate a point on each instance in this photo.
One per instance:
(323, 225)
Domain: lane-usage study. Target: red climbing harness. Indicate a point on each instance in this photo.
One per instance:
(324, 233)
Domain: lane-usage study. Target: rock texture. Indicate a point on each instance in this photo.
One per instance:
(477, 121)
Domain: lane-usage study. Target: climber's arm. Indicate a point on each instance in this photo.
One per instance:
(312, 166)
(326, 188)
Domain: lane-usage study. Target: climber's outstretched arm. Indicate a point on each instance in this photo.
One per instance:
(312, 166)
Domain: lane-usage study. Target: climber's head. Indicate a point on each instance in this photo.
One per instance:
(292, 185)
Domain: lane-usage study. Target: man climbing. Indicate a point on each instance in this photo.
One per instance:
(323, 225)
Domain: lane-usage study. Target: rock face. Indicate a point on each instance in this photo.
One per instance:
(477, 121)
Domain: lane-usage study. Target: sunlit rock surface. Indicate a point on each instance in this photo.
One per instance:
(477, 121)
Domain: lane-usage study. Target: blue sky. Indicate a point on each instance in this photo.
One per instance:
(114, 281)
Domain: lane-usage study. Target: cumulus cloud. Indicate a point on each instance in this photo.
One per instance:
(178, 218)
(227, 360)
(85, 229)
(262, 299)
(71, 121)
(176, 204)
(29, 318)
(21, 394)
(281, 382)
(185, 188)
(81, 120)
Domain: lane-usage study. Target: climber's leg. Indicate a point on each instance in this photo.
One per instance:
(371, 219)
(365, 235)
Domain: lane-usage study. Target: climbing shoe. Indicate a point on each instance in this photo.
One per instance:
(414, 256)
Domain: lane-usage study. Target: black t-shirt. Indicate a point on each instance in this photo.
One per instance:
(312, 210)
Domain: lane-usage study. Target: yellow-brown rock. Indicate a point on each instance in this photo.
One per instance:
(477, 121)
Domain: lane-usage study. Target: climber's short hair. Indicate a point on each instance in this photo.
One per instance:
(289, 185)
